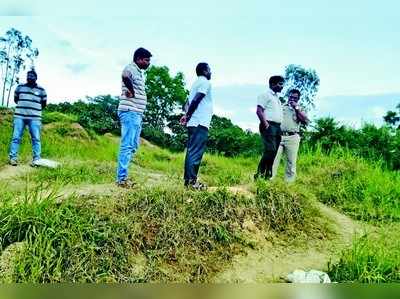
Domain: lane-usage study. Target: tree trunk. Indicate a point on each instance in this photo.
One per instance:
(5, 77)
(9, 90)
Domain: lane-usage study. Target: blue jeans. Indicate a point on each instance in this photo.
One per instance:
(131, 126)
(34, 127)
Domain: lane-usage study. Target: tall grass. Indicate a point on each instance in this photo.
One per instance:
(151, 234)
(372, 258)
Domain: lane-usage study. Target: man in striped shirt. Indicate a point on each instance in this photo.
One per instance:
(30, 99)
(131, 107)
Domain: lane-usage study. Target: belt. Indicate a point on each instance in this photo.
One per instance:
(285, 133)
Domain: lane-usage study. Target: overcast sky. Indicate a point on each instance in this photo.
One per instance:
(353, 45)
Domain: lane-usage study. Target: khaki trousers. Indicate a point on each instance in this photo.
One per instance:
(289, 146)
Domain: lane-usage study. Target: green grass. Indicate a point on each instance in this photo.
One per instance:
(176, 235)
(373, 258)
(362, 190)
(161, 232)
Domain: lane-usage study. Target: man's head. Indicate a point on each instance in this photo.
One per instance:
(31, 77)
(203, 69)
(142, 58)
(276, 83)
(294, 95)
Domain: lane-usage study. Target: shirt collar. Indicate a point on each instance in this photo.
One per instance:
(136, 66)
(273, 92)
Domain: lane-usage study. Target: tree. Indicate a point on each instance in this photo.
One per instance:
(165, 94)
(15, 50)
(305, 80)
(392, 118)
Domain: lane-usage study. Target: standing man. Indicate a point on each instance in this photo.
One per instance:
(131, 107)
(269, 111)
(197, 119)
(30, 99)
(293, 117)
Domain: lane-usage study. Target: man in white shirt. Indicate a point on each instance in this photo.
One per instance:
(197, 119)
(269, 112)
(293, 117)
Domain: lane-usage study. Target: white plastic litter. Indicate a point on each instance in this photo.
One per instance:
(312, 276)
(47, 163)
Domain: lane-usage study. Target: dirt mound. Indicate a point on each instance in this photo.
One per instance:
(146, 143)
(272, 262)
(72, 130)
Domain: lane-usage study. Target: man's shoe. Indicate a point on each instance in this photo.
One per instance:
(197, 186)
(13, 162)
(127, 183)
(35, 163)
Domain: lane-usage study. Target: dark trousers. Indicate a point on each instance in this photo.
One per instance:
(271, 139)
(196, 145)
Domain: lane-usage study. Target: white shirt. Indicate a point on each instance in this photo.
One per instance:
(204, 112)
(272, 106)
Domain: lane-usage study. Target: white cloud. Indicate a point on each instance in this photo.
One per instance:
(223, 112)
(377, 111)
(252, 126)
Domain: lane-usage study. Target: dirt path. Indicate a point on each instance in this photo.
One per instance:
(9, 172)
(271, 263)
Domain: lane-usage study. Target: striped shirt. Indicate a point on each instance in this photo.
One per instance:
(139, 101)
(29, 101)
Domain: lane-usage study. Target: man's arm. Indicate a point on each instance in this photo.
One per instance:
(16, 95)
(260, 114)
(194, 104)
(44, 100)
(300, 115)
(192, 107)
(126, 78)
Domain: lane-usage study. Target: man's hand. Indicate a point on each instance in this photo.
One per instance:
(183, 121)
(266, 125)
(129, 94)
(294, 105)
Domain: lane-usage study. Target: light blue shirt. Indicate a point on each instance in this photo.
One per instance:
(204, 112)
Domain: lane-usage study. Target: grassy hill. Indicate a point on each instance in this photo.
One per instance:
(72, 224)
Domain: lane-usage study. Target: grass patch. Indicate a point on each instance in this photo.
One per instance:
(373, 258)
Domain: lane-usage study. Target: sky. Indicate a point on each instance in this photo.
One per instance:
(353, 46)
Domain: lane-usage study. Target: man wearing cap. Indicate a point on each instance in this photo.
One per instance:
(292, 119)
(31, 99)
(269, 112)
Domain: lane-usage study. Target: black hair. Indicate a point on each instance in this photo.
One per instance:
(201, 68)
(141, 53)
(295, 91)
(276, 80)
(32, 72)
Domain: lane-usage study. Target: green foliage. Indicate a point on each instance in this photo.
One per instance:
(98, 113)
(230, 140)
(305, 80)
(165, 94)
(392, 118)
(370, 142)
